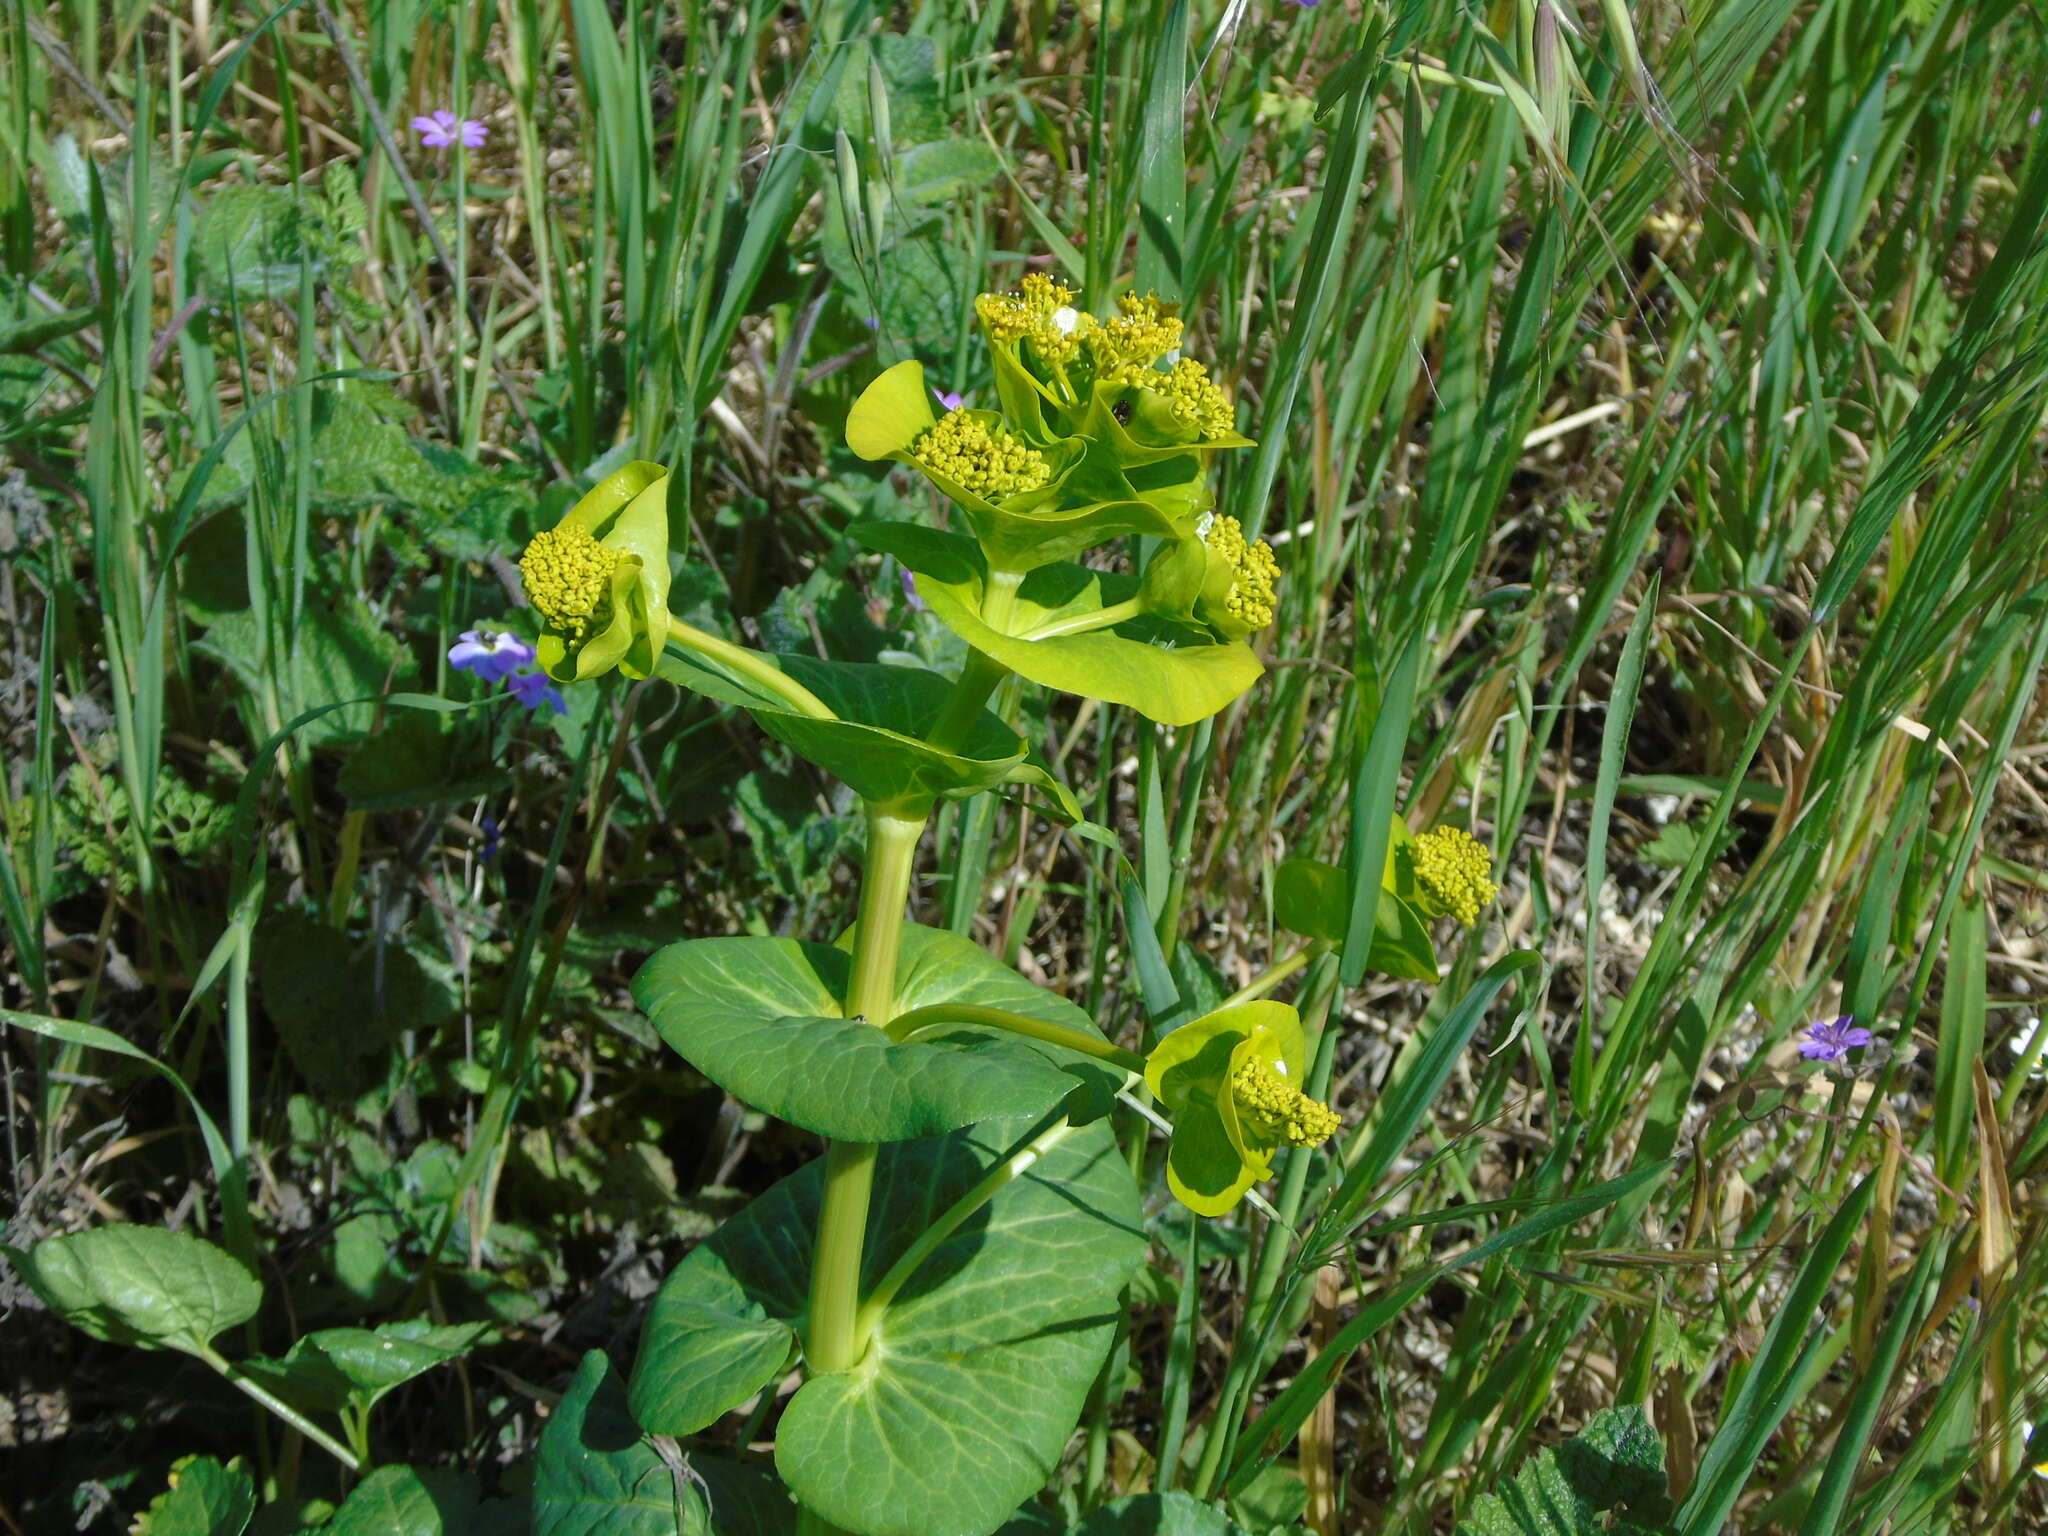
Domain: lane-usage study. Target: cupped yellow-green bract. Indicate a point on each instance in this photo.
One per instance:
(599, 579)
(1231, 1081)
(1017, 489)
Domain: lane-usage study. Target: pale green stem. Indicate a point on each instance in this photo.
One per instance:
(1082, 623)
(906, 1027)
(1435, 76)
(1049, 1133)
(752, 666)
(1267, 980)
(834, 1340)
(281, 1408)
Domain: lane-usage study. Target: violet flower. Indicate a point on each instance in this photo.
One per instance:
(1833, 1039)
(492, 656)
(442, 129)
(951, 400)
(910, 596)
(533, 690)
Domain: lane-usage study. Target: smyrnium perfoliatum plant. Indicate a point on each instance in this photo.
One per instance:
(949, 1273)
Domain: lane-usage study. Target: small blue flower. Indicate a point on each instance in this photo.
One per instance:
(492, 656)
(1833, 1039)
(910, 592)
(492, 834)
(533, 690)
(950, 399)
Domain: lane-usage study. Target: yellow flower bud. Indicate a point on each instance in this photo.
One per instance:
(1452, 873)
(1126, 347)
(1041, 312)
(599, 579)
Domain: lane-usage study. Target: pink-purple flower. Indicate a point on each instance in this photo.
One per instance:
(950, 399)
(1833, 1039)
(441, 128)
(533, 690)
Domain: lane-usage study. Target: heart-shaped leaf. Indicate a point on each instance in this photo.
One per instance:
(765, 1020)
(1173, 685)
(979, 1365)
(141, 1285)
(596, 1475)
(876, 745)
(402, 1501)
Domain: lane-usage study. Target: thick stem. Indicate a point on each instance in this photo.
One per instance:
(752, 666)
(834, 1340)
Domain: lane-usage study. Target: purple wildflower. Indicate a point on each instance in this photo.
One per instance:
(533, 690)
(1833, 1039)
(910, 592)
(949, 399)
(492, 656)
(442, 128)
(1306, 5)
(492, 836)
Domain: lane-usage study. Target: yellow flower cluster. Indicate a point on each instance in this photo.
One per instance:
(1126, 346)
(1042, 312)
(1275, 1110)
(985, 460)
(1196, 399)
(1254, 572)
(1453, 869)
(568, 577)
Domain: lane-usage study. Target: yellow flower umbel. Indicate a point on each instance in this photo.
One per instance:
(599, 579)
(1231, 1082)
(1041, 312)
(1128, 346)
(1274, 1109)
(1240, 587)
(1452, 873)
(981, 456)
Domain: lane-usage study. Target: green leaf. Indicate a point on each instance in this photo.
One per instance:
(596, 1475)
(1313, 899)
(335, 654)
(399, 1501)
(764, 1019)
(1176, 686)
(356, 1367)
(979, 1365)
(1615, 1461)
(141, 1285)
(876, 745)
(204, 1499)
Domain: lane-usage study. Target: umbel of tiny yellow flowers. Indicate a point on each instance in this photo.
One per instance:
(599, 579)
(1232, 1082)
(1239, 588)
(980, 455)
(1452, 873)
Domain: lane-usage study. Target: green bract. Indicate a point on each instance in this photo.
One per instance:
(1022, 529)
(1223, 1078)
(599, 578)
